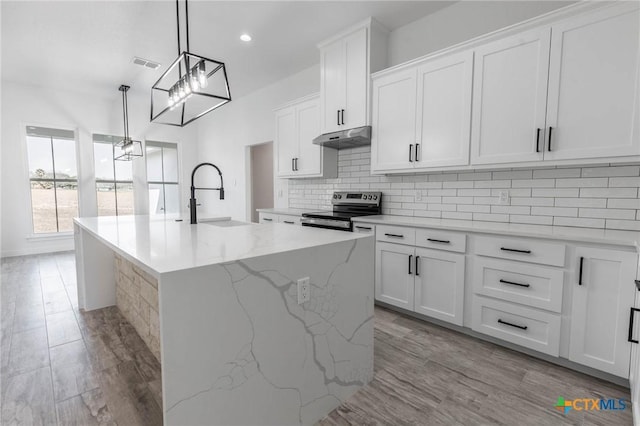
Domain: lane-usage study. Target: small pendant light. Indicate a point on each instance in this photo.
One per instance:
(127, 149)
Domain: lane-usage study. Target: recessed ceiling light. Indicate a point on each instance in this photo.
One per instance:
(245, 37)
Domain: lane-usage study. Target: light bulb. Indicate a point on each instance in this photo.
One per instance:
(193, 79)
(176, 95)
(181, 91)
(186, 85)
(202, 75)
(170, 101)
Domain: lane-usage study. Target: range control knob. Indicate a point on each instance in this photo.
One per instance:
(335, 196)
(375, 197)
(339, 196)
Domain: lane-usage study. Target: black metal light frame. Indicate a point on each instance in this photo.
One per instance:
(130, 148)
(186, 59)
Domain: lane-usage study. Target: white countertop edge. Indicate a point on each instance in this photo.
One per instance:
(585, 235)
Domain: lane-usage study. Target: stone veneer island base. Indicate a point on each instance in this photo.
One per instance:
(236, 348)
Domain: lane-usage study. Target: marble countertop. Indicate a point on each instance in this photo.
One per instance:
(163, 245)
(586, 235)
(285, 210)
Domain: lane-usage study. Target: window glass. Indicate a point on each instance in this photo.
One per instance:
(172, 198)
(103, 159)
(162, 177)
(154, 164)
(170, 164)
(40, 158)
(67, 196)
(43, 205)
(64, 155)
(124, 197)
(156, 198)
(106, 195)
(114, 178)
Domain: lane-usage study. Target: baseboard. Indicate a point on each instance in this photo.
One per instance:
(36, 250)
(553, 360)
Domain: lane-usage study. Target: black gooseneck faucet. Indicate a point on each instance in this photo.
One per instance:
(192, 201)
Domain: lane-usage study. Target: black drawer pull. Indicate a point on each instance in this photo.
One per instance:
(521, 327)
(433, 240)
(342, 117)
(417, 271)
(538, 139)
(411, 153)
(289, 222)
(334, 138)
(266, 219)
(514, 283)
(549, 146)
(631, 339)
(410, 257)
(395, 235)
(366, 228)
(417, 152)
(580, 275)
(515, 250)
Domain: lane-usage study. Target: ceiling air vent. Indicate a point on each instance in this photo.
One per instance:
(146, 63)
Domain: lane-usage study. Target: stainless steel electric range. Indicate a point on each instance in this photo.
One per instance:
(346, 205)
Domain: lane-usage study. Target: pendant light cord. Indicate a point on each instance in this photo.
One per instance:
(125, 112)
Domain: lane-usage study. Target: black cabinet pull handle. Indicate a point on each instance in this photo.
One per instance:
(417, 151)
(549, 146)
(411, 153)
(342, 117)
(289, 222)
(638, 284)
(410, 257)
(521, 327)
(580, 274)
(334, 138)
(297, 163)
(293, 168)
(366, 228)
(395, 235)
(515, 250)
(433, 240)
(266, 219)
(338, 120)
(538, 140)
(417, 271)
(514, 283)
(631, 339)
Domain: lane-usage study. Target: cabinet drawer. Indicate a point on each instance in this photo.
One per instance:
(532, 285)
(289, 220)
(396, 234)
(523, 249)
(268, 218)
(526, 327)
(364, 228)
(441, 240)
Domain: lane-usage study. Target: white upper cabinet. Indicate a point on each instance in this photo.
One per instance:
(346, 61)
(594, 79)
(421, 115)
(444, 111)
(394, 121)
(297, 123)
(510, 99)
(603, 293)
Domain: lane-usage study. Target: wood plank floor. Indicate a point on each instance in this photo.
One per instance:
(63, 367)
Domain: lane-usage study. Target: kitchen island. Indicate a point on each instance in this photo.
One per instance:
(235, 344)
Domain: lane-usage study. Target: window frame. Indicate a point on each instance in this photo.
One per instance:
(163, 182)
(24, 133)
(115, 180)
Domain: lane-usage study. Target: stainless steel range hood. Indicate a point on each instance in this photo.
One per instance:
(360, 136)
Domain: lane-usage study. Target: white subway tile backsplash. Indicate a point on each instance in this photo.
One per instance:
(591, 196)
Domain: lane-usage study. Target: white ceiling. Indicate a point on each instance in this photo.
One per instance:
(88, 46)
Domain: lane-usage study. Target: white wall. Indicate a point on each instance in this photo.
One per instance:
(460, 22)
(224, 135)
(87, 114)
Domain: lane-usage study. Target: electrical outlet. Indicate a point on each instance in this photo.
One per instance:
(503, 197)
(304, 292)
(418, 196)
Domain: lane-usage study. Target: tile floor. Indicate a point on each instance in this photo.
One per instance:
(60, 366)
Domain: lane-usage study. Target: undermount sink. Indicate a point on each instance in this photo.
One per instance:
(227, 223)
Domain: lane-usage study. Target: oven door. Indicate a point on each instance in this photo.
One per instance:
(340, 225)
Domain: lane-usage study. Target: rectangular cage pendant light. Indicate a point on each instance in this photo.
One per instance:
(127, 149)
(191, 87)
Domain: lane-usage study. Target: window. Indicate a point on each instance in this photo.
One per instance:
(162, 177)
(114, 179)
(53, 176)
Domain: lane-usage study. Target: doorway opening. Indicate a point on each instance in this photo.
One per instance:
(261, 171)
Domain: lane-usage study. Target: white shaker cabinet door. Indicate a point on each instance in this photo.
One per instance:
(593, 105)
(394, 274)
(439, 285)
(286, 141)
(393, 135)
(603, 293)
(309, 154)
(356, 108)
(444, 111)
(509, 99)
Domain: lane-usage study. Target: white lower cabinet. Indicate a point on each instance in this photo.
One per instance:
(267, 218)
(634, 368)
(394, 280)
(603, 293)
(439, 284)
(430, 282)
